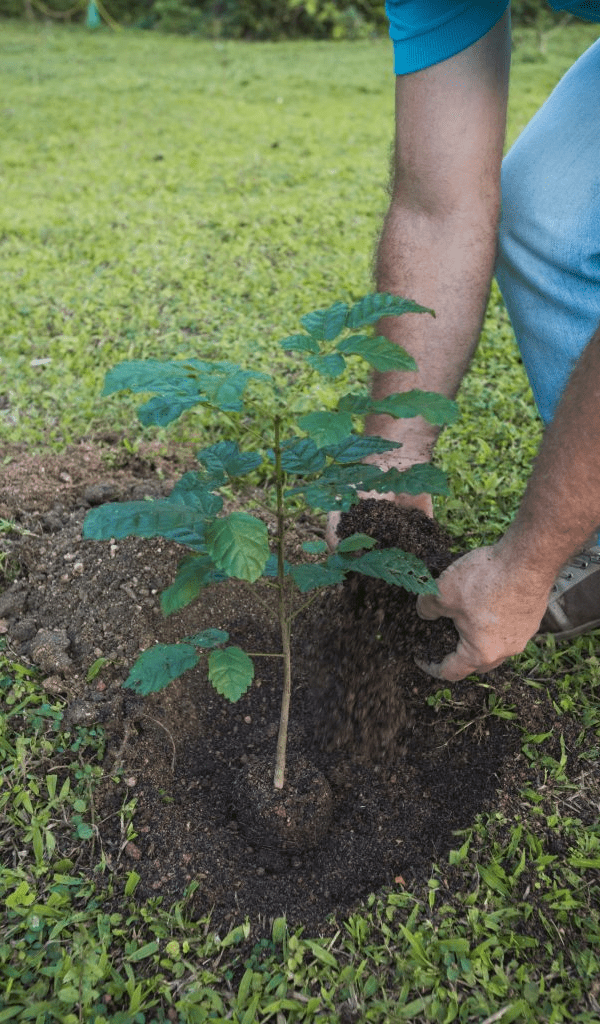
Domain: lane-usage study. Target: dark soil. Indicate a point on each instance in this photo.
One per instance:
(397, 773)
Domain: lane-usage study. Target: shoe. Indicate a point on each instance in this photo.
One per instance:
(574, 602)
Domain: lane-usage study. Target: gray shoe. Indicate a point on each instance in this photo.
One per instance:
(574, 602)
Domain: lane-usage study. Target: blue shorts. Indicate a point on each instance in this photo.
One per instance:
(425, 32)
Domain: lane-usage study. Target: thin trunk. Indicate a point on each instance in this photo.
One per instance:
(284, 618)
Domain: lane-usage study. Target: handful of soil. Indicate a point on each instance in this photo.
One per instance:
(367, 635)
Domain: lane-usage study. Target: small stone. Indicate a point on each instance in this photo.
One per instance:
(12, 601)
(54, 684)
(78, 567)
(49, 651)
(97, 494)
(133, 851)
(24, 629)
(247, 719)
(260, 871)
(130, 781)
(3, 626)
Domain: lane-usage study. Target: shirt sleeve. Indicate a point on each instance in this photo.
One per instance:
(425, 32)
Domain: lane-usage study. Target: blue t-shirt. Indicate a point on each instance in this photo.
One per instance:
(425, 32)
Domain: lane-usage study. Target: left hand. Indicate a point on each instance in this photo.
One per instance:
(496, 609)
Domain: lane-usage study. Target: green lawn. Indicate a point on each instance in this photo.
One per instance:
(166, 196)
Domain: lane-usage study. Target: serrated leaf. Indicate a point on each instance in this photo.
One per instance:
(357, 446)
(383, 355)
(415, 480)
(300, 343)
(327, 495)
(238, 545)
(208, 638)
(435, 408)
(231, 672)
(332, 364)
(300, 455)
(361, 475)
(226, 457)
(357, 542)
(139, 375)
(311, 577)
(326, 324)
(161, 518)
(182, 382)
(357, 404)
(194, 491)
(194, 573)
(161, 410)
(397, 567)
(158, 666)
(326, 427)
(314, 547)
(223, 384)
(378, 304)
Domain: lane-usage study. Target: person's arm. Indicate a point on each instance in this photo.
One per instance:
(497, 596)
(438, 241)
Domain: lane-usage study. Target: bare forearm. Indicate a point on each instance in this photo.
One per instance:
(561, 505)
(439, 237)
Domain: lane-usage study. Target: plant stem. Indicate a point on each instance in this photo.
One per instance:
(285, 625)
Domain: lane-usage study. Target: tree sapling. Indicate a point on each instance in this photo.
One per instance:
(314, 459)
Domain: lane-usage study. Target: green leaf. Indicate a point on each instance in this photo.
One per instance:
(314, 547)
(181, 383)
(170, 377)
(164, 409)
(397, 567)
(223, 384)
(195, 572)
(326, 324)
(357, 404)
(327, 495)
(357, 446)
(495, 877)
(300, 343)
(434, 408)
(383, 355)
(161, 518)
(326, 427)
(226, 457)
(357, 542)
(158, 666)
(231, 672)
(310, 577)
(300, 455)
(321, 954)
(238, 545)
(208, 638)
(194, 491)
(417, 479)
(270, 569)
(332, 364)
(143, 952)
(378, 304)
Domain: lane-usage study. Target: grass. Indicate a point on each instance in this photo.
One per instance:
(167, 196)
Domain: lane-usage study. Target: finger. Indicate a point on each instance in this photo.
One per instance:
(452, 669)
(428, 607)
(331, 535)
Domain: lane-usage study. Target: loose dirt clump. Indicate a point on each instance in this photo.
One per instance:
(368, 636)
(403, 768)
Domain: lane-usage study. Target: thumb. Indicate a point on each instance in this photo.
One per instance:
(427, 607)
